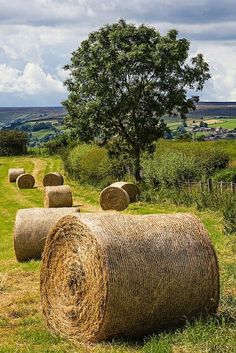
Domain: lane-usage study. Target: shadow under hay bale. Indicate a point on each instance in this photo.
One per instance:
(25, 181)
(53, 179)
(13, 174)
(126, 275)
(114, 198)
(131, 189)
(58, 196)
(31, 228)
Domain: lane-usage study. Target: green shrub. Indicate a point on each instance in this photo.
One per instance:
(210, 157)
(229, 213)
(57, 144)
(226, 175)
(121, 159)
(169, 169)
(210, 161)
(89, 164)
(13, 142)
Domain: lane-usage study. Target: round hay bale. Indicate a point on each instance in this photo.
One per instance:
(53, 179)
(31, 228)
(114, 198)
(131, 189)
(13, 174)
(58, 196)
(113, 275)
(25, 181)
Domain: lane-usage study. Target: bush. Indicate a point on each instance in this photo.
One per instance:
(89, 164)
(210, 161)
(210, 157)
(13, 142)
(226, 175)
(119, 154)
(229, 213)
(169, 169)
(57, 144)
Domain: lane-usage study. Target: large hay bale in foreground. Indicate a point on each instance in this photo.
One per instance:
(58, 196)
(25, 181)
(53, 179)
(112, 275)
(114, 198)
(31, 228)
(131, 189)
(13, 174)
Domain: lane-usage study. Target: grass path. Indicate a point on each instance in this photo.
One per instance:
(39, 167)
(22, 328)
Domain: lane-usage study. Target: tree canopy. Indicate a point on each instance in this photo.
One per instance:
(13, 142)
(124, 78)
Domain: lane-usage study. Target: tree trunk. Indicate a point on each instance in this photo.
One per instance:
(137, 166)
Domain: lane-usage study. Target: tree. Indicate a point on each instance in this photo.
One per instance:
(124, 78)
(13, 142)
(57, 144)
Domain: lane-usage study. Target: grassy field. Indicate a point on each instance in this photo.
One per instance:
(41, 133)
(22, 328)
(225, 123)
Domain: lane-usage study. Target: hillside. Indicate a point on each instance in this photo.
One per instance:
(45, 123)
(8, 115)
(22, 327)
(27, 114)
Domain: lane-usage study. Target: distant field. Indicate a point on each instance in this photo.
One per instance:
(173, 126)
(225, 123)
(41, 133)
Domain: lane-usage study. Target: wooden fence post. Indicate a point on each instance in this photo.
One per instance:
(221, 187)
(201, 186)
(189, 185)
(209, 185)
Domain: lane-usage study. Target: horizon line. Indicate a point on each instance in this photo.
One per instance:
(61, 106)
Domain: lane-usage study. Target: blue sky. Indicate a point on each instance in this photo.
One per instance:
(37, 38)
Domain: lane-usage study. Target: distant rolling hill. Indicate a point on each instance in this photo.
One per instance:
(8, 115)
(219, 109)
(204, 109)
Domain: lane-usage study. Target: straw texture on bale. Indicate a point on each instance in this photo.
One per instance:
(25, 181)
(131, 189)
(53, 179)
(58, 196)
(31, 228)
(114, 198)
(13, 174)
(112, 275)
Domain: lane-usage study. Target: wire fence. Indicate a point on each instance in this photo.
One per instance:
(209, 185)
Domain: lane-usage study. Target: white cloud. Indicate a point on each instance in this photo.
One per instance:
(40, 12)
(31, 81)
(53, 12)
(221, 60)
(28, 44)
(62, 74)
(37, 38)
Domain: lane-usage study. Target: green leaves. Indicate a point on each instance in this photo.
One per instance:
(123, 78)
